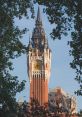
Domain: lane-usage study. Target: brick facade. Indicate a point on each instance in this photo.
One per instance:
(39, 63)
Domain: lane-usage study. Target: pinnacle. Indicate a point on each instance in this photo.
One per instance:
(38, 20)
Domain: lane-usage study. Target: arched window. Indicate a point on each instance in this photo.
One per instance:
(46, 65)
(34, 75)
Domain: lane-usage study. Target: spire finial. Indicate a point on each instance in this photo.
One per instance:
(29, 38)
(38, 20)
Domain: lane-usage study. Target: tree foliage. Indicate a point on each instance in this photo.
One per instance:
(67, 16)
(10, 48)
(80, 113)
(34, 109)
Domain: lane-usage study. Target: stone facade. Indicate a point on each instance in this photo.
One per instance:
(60, 99)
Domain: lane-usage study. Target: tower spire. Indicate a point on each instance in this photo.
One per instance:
(38, 20)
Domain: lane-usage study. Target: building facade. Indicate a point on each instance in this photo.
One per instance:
(59, 99)
(39, 63)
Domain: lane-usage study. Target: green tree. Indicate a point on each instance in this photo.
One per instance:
(80, 113)
(67, 16)
(11, 48)
(34, 109)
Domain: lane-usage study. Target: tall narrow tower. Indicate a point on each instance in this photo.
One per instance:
(39, 63)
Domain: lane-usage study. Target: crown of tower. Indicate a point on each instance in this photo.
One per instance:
(38, 36)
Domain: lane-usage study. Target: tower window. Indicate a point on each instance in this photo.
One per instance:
(35, 75)
(46, 65)
(39, 75)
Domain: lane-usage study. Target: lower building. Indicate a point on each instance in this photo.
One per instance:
(60, 101)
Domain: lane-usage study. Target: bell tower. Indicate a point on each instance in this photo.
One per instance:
(39, 63)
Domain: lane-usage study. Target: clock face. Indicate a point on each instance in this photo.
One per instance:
(37, 65)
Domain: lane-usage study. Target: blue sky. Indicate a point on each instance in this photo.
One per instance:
(61, 73)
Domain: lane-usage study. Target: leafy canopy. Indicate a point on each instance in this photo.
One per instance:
(11, 48)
